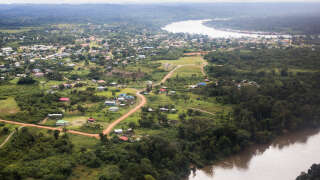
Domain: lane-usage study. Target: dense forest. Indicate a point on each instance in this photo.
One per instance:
(280, 93)
(295, 24)
(312, 174)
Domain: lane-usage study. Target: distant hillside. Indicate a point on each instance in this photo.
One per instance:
(13, 16)
(295, 24)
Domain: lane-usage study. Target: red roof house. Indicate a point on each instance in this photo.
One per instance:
(91, 119)
(123, 138)
(64, 99)
(163, 90)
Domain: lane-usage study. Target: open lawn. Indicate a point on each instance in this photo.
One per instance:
(75, 121)
(188, 71)
(196, 60)
(12, 31)
(8, 106)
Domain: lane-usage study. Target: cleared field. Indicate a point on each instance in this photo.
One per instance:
(196, 60)
(76, 121)
(15, 30)
(188, 71)
(8, 106)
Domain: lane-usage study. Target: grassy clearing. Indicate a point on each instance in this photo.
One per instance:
(188, 71)
(13, 31)
(8, 106)
(83, 142)
(75, 120)
(196, 60)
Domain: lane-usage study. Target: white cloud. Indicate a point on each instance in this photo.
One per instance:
(139, 1)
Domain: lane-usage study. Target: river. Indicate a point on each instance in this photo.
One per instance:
(198, 27)
(284, 159)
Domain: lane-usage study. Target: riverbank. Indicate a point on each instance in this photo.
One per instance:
(201, 27)
(283, 152)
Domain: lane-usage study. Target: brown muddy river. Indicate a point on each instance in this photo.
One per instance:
(284, 159)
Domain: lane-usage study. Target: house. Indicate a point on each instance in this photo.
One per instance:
(123, 138)
(162, 90)
(91, 120)
(172, 92)
(122, 95)
(55, 115)
(164, 109)
(114, 109)
(149, 83)
(129, 97)
(110, 103)
(64, 99)
(67, 85)
(113, 84)
(118, 131)
(101, 81)
(202, 84)
(100, 88)
(62, 123)
(121, 99)
(39, 74)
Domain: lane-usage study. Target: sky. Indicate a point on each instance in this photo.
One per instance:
(138, 1)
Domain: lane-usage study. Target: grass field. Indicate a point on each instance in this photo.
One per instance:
(196, 60)
(188, 71)
(12, 31)
(8, 106)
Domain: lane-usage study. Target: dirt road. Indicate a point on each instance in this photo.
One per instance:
(50, 128)
(8, 138)
(107, 131)
(143, 101)
(170, 74)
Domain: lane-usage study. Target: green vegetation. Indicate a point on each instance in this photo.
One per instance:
(267, 103)
(8, 106)
(312, 174)
(250, 92)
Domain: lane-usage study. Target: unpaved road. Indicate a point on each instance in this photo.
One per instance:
(50, 128)
(143, 101)
(107, 131)
(8, 138)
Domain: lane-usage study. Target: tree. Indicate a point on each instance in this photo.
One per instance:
(56, 134)
(149, 177)
(132, 125)
(26, 81)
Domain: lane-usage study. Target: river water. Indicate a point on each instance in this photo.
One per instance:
(284, 159)
(197, 27)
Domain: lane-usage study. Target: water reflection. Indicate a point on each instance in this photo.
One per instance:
(295, 151)
(197, 27)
